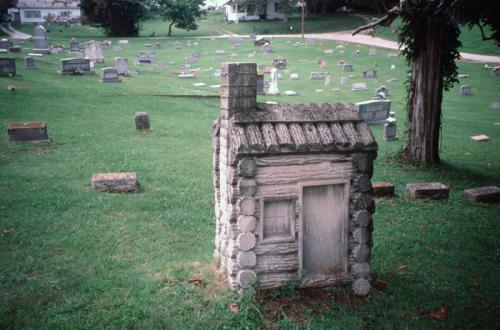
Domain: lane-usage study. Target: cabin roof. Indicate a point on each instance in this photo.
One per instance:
(300, 128)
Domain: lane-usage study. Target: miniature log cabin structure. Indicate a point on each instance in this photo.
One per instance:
(292, 190)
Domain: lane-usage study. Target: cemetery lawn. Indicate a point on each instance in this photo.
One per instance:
(76, 258)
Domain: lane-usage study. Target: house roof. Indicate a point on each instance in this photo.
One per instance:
(301, 128)
(58, 4)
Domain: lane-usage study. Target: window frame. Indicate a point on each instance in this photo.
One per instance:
(38, 14)
(291, 237)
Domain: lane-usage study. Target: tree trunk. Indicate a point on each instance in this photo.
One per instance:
(426, 94)
(170, 29)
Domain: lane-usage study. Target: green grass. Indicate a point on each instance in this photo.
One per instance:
(471, 39)
(75, 258)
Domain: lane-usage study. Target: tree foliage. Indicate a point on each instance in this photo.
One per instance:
(4, 6)
(181, 13)
(116, 17)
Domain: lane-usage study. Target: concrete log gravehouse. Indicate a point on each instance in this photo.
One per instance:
(292, 190)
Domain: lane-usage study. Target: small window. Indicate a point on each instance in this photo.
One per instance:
(32, 14)
(277, 219)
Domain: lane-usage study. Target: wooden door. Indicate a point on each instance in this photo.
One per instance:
(324, 228)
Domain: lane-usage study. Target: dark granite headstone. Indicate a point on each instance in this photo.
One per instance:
(142, 121)
(77, 66)
(7, 66)
(374, 111)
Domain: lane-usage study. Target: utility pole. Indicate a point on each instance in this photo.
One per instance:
(303, 4)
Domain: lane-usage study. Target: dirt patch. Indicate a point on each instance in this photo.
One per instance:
(301, 305)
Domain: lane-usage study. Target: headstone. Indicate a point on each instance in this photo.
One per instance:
(390, 128)
(30, 132)
(5, 44)
(490, 194)
(273, 88)
(261, 42)
(109, 75)
(322, 64)
(29, 63)
(466, 90)
(340, 47)
(294, 76)
(355, 54)
(361, 86)
(57, 49)
(480, 138)
(93, 51)
(374, 111)
(495, 71)
(328, 51)
(266, 48)
(121, 66)
(7, 66)
(344, 80)
(15, 49)
(220, 52)
(495, 105)
(392, 55)
(370, 73)
(115, 182)
(431, 190)
(382, 189)
(146, 57)
(123, 43)
(105, 44)
(177, 45)
(327, 79)
(117, 48)
(142, 121)
(280, 63)
(310, 42)
(373, 52)
(341, 63)
(382, 92)
(463, 76)
(317, 75)
(234, 55)
(348, 67)
(78, 66)
(157, 45)
(186, 76)
(260, 85)
(74, 46)
(40, 41)
(290, 93)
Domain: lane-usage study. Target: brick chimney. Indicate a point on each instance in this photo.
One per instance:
(238, 88)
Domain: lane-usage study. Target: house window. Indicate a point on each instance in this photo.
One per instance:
(278, 8)
(32, 14)
(277, 219)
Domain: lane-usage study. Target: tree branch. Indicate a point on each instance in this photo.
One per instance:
(392, 14)
(482, 33)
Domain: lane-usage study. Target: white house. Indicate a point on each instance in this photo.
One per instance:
(37, 11)
(271, 10)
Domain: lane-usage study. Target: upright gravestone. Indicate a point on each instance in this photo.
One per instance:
(390, 128)
(348, 67)
(317, 75)
(15, 49)
(29, 63)
(260, 85)
(7, 66)
(5, 44)
(109, 75)
(373, 52)
(465, 90)
(40, 41)
(374, 111)
(266, 48)
(74, 46)
(495, 71)
(273, 88)
(261, 42)
(177, 45)
(280, 63)
(75, 66)
(93, 51)
(146, 57)
(370, 73)
(121, 66)
(142, 121)
(310, 42)
(344, 80)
